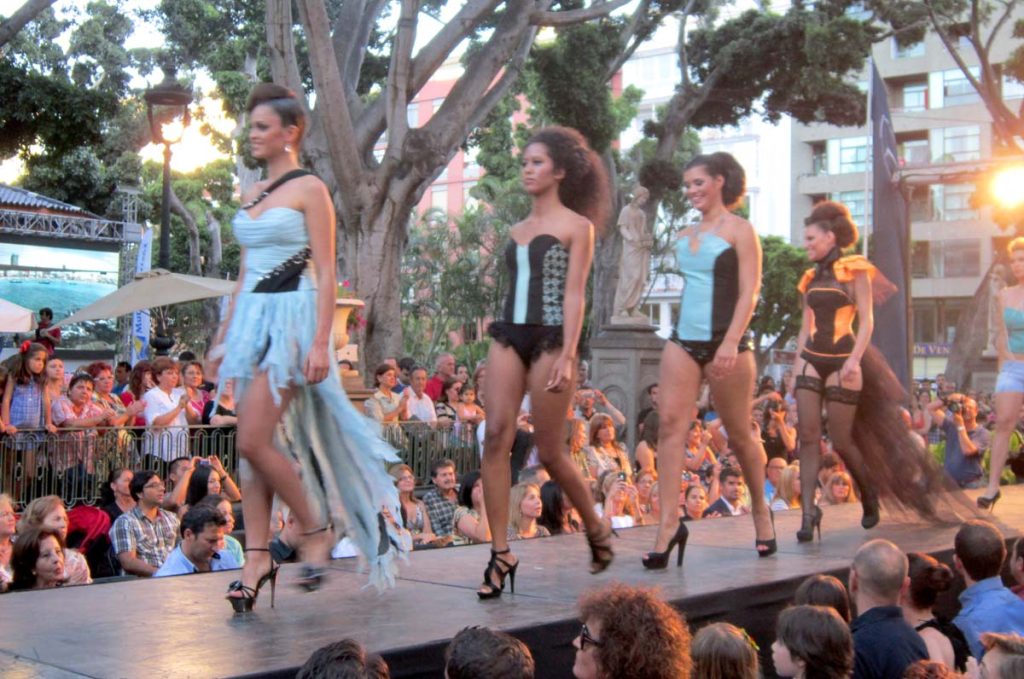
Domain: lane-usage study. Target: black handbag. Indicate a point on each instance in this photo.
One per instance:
(286, 276)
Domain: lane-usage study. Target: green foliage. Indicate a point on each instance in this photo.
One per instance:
(778, 314)
(494, 141)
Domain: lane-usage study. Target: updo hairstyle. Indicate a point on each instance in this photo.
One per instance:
(928, 578)
(1014, 245)
(829, 215)
(282, 100)
(584, 189)
(722, 164)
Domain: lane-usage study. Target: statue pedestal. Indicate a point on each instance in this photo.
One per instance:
(625, 361)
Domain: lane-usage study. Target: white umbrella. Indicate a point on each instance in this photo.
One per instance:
(155, 288)
(14, 318)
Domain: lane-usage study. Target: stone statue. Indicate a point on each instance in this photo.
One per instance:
(996, 282)
(635, 263)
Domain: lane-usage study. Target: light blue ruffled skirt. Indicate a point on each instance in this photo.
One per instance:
(342, 455)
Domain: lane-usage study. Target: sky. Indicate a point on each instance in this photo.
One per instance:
(32, 255)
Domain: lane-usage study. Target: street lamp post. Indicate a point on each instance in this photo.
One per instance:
(168, 114)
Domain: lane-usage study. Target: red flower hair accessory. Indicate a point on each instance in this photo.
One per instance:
(24, 347)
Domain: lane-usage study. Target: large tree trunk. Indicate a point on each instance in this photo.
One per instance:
(26, 13)
(195, 265)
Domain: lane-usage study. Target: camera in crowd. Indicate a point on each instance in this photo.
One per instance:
(953, 407)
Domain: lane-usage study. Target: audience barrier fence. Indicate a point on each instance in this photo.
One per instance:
(75, 464)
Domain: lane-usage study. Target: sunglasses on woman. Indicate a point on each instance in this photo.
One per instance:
(586, 638)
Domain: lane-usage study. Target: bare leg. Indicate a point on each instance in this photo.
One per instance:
(506, 376)
(258, 417)
(733, 401)
(679, 381)
(1008, 405)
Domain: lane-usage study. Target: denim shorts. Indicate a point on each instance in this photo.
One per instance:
(1011, 377)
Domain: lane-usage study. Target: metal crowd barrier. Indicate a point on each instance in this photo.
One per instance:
(74, 464)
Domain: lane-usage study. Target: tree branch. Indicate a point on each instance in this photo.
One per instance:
(18, 20)
(628, 35)
(195, 263)
(511, 73)
(1003, 18)
(397, 93)
(284, 66)
(576, 16)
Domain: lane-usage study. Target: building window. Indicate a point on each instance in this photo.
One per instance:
(1012, 88)
(439, 198)
(919, 259)
(953, 202)
(957, 89)
(925, 319)
(470, 168)
(468, 201)
(915, 50)
(914, 152)
(853, 154)
(412, 114)
(957, 144)
(915, 97)
(960, 258)
(854, 200)
(819, 159)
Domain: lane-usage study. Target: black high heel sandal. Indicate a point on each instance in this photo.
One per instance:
(809, 524)
(772, 545)
(244, 603)
(312, 577)
(871, 515)
(989, 503)
(601, 554)
(656, 561)
(503, 569)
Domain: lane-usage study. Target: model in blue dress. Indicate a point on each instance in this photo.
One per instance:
(276, 345)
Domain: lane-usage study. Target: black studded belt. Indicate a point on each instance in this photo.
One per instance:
(285, 276)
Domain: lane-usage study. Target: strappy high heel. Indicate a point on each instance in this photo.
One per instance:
(658, 560)
(601, 554)
(312, 577)
(771, 546)
(989, 503)
(245, 602)
(503, 569)
(810, 523)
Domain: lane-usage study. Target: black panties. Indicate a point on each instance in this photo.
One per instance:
(834, 393)
(528, 340)
(704, 352)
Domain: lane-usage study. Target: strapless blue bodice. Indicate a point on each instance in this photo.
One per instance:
(269, 239)
(1014, 320)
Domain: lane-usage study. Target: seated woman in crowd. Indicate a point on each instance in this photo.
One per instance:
(724, 650)
(647, 449)
(140, 381)
(467, 409)
(605, 453)
(445, 406)
(385, 406)
(645, 480)
(7, 526)
(47, 514)
(578, 446)
(118, 414)
(617, 501)
(470, 519)
(77, 412)
(115, 495)
(206, 476)
(824, 590)
(415, 517)
(219, 410)
(55, 385)
(699, 458)
(557, 513)
(192, 381)
(787, 495)
(37, 560)
(695, 502)
(525, 509)
(812, 640)
(618, 620)
(777, 435)
(231, 543)
(944, 640)
(838, 489)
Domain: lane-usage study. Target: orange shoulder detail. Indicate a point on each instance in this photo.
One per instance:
(847, 267)
(805, 281)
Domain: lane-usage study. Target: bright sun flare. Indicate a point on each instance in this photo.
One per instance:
(195, 149)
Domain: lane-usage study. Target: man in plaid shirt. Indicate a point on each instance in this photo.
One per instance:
(143, 537)
(443, 498)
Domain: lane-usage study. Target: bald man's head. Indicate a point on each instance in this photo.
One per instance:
(881, 570)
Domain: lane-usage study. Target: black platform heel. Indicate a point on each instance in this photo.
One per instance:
(503, 569)
(809, 524)
(772, 545)
(656, 561)
(601, 554)
(312, 577)
(872, 514)
(244, 603)
(989, 503)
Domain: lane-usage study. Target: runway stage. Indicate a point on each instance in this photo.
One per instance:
(182, 627)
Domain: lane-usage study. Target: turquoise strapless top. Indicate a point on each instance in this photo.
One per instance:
(709, 296)
(273, 237)
(1014, 320)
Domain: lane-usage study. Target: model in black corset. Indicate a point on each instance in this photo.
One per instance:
(548, 259)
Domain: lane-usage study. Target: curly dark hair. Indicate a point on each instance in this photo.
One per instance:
(820, 638)
(584, 189)
(282, 100)
(136, 378)
(642, 637)
(928, 578)
(722, 164)
(828, 215)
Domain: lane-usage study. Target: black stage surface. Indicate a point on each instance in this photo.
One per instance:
(182, 627)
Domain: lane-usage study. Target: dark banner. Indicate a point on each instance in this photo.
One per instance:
(890, 234)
